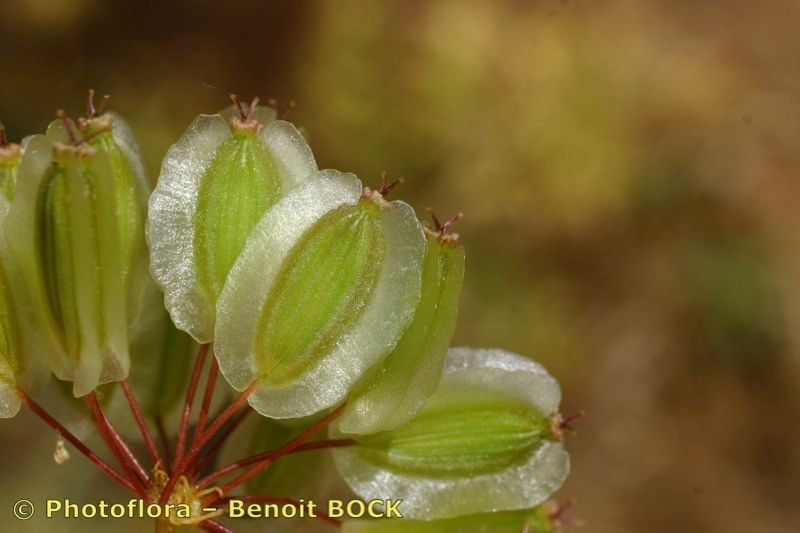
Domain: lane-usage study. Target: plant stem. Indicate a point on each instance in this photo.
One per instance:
(184, 465)
(113, 441)
(270, 457)
(218, 422)
(323, 445)
(162, 436)
(208, 395)
(39, 411)
(213, 525)
(273, 455)
(187, 404)
(212, 450)
(137, 414)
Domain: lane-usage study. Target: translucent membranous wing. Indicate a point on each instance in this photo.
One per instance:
(10, 349)
(215, 184)
(21, 353)
(325, 285)
(483, 442)
(132, 187)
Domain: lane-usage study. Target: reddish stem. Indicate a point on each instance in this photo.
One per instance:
(62, 116)
(187, 405)
(183, 466)
(39, 411)
(324, 445)
(212, 450)
(91, 110)
(238, 103)
(213, 525)
(280, 500)
(208, 395)
(125, 458)
(272, 456)
(269, 457)
(218, 422)
(567, 423)
(162, 436)
(386, 185)
(137, 414)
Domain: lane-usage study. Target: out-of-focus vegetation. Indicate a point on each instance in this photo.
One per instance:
(628, 171)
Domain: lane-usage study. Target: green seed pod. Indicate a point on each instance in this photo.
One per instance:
(110, 134)
(62, 230)
(20, 353)
(216, 182)
(395, 389)
(486, 440)
(541, 519)
(325, 285)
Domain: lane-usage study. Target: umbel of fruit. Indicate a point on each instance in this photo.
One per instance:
(488, 439)
(216, 182)
(324, 287)
(75, 228)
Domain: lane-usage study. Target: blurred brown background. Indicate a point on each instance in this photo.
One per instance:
(628, 172)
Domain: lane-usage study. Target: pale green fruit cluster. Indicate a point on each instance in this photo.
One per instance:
(76, 229)
(311, 286)
(335, 295)
(316, 292)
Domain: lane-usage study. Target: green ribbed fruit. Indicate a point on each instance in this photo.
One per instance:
(215, 184)
(241, 183)
(460, 432)
(320, 292)
(325, 285)
(130, 216)
(486, 440)
(62, 231)
(10, 345)
(394, 390)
